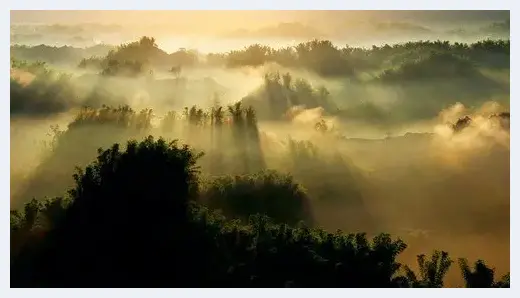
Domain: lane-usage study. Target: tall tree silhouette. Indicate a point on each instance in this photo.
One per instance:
(431, 272)
(481, 276)
(124, 204)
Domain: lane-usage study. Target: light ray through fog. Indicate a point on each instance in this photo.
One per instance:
(376, 134)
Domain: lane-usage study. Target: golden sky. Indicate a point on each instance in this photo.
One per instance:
(214, 20)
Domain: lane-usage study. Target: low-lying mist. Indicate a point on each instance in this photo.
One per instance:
(403, 151)
(442, 189)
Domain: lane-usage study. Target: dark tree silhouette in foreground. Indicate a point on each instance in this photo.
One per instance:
(125, 204)
(431, 272)
(482, 276)
(131, 221)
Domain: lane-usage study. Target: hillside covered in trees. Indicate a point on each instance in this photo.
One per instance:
(424, 76)
(267, 183)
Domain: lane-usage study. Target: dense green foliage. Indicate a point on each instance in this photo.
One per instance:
(130, 220)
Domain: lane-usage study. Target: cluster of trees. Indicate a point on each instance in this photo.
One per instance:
(131, 59)
(279, 93)
(390, 55)
(231, 140)
(422, 85)
(271, 193)
(57, 55)
(31, 67)
(213, 129)
(233, 146)
(36, 90)
(434, 66)
(324, 58)
(92, 62)
(124, 68)
(39, 91)
(139, 57)
(319, 56)
(132, 219)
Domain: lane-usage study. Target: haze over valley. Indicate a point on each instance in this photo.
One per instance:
(366, 122)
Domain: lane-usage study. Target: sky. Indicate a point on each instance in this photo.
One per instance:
(228, 20)
(190, 29)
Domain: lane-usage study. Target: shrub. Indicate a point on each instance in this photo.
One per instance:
(273, 194)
